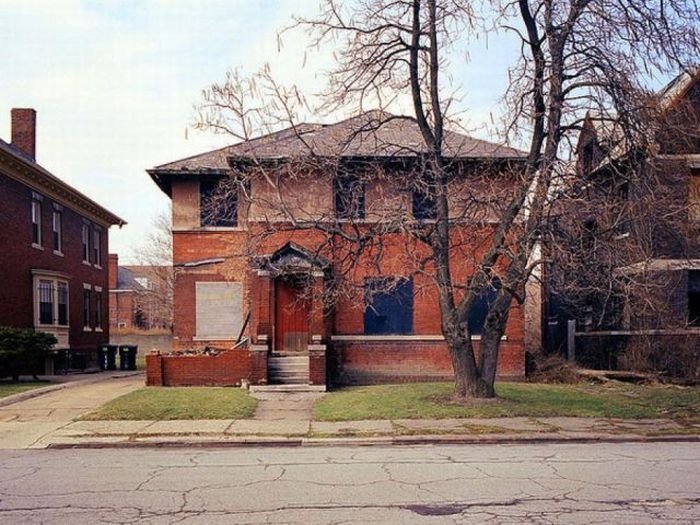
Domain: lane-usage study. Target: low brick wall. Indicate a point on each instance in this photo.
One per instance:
(226, 369)
(371, 362)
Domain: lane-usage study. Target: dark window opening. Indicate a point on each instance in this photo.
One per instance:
(62, 304)
(218, 203)
(424, 207)
(57, 231)
(694, 298)
(46, 302)
(476, 317)
(349, 194)
(86, 308)
(98, 310)
(389, 306)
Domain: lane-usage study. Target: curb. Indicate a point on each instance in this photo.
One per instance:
(36, 392)
(382, 442)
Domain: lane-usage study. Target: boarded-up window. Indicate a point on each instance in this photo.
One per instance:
(389, 306)
(218, 310)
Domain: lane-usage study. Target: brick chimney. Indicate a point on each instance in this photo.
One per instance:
(113, 270)
(24, 130)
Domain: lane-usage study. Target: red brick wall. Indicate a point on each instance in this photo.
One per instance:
(358, 362)
(225, 369)
(18, 258)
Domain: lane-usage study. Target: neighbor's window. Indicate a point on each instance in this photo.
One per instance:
(86, 306)
(57, 231)
(694, 297)
(98, 308)
(423, 206)
(349, 196)
(86, 243)
(52, 301)
(218, 203)
(36, 221)
(476, 317)
(96, 246)
(388, 306)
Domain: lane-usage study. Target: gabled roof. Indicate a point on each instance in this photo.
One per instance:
(370, 135)
(30, 173)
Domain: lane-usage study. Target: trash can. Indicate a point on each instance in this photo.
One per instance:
(107, 356)
(127, 357)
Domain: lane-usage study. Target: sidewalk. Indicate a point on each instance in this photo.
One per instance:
(286, 420)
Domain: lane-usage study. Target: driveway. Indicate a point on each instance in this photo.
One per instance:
(25, 423)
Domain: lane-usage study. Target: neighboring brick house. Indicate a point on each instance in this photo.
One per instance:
(654, 225)
(246, 272)
(53, 249)
(140, 297)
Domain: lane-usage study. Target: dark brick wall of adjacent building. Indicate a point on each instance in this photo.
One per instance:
(18, 257)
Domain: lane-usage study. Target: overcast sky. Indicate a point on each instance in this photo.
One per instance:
(114, 83)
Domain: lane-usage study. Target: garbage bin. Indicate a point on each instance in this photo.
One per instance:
(107, 356)
(127, 357)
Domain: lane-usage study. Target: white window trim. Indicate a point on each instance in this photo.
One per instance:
(97, 234)
(56, 277)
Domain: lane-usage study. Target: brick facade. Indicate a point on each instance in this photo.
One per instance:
(21, 260)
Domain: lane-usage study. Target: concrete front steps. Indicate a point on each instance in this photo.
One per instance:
(288, 369)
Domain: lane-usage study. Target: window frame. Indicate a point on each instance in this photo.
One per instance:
(349, 205)
(97, 246)
(423, 206)
(97, 313)
(57, 231)
(397, 321)
(57, 283)
(87, 298)
(207, 191)
(85, 238)
(36, 215)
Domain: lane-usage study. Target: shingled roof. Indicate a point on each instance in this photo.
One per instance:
(370, 135)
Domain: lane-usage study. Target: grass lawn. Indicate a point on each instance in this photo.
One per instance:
(165, 403)
(433, 400)
(7, 388)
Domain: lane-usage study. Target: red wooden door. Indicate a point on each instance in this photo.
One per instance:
(291, 316)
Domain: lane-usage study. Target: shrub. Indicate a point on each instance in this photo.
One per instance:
(21, 350)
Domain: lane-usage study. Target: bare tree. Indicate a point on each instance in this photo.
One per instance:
(156, 273)
(576, 55)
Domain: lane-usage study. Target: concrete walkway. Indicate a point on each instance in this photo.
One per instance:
(286, 419)
(29, 422)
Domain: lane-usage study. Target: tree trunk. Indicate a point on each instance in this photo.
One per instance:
(468, 380)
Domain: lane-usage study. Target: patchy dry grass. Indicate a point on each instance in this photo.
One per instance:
(168, 403)
(435, 401)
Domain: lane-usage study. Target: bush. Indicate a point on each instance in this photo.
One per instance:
(22, 350)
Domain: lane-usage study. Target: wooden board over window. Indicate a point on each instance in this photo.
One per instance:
(218, 310)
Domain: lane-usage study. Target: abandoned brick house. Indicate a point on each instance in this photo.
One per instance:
(645, 217)
(53, 251)
(259, 280)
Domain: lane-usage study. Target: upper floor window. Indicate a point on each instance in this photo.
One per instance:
(57, 229)
(349, 196)
(388, 306)
(86, 243)
(218, 203)
(96, 246)
(36, 221)
(424, 206)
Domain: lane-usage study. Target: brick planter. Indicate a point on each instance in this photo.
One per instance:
(225, 369)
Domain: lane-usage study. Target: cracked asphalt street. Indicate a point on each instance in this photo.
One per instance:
(592, 483)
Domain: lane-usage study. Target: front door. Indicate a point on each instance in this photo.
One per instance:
(292, 309)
